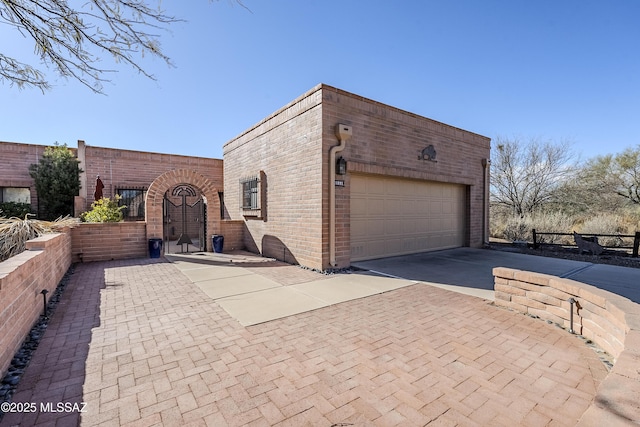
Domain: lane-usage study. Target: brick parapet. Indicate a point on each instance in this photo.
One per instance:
(611, 321)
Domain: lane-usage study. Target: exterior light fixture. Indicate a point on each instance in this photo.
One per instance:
(571, 302)
(44, 293)
(341, 166)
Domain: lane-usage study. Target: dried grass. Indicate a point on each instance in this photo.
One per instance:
(514, 227)
(608, 224)
(14, 232)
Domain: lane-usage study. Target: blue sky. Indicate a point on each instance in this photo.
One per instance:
(550, 69)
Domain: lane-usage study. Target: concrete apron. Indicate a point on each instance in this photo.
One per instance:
(252, 299)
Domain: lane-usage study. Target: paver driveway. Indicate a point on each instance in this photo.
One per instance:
(163, 353)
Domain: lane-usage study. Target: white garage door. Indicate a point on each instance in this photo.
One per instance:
(393, 216)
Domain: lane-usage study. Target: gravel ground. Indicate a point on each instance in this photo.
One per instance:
(609, 256)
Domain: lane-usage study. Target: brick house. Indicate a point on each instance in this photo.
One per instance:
(411, 184)
(328, 179)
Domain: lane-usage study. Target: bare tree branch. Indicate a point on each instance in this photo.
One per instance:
(525, 176)
(70, 40)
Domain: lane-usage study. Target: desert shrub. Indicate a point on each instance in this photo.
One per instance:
(104, 210)
(14, 209)
(14, 232)
(516, 227)
(606, 224)
(553, 222)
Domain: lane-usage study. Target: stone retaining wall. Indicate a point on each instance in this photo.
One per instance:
(611, 321)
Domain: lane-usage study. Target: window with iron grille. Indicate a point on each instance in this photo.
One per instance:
(253, 196)
(250, 193)
(133, 199)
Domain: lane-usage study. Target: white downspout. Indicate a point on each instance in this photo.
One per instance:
(343, 132)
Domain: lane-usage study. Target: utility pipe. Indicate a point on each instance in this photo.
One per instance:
(343, 132)
(485, 205)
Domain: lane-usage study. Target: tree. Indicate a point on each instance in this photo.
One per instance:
(70, 39)
(591, 191)
(624, 174)
(608, 182)
(526, 175)
(57, 180)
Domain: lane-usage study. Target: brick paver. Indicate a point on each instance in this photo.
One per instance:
(142, 346)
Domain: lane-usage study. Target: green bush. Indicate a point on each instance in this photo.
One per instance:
(14, 209)
(104, 210)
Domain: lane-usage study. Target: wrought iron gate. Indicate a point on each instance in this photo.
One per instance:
(184, 220)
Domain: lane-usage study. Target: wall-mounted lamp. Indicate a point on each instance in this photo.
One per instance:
(341, 166)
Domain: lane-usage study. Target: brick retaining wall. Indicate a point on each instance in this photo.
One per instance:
(611, 321)
(22, 278)
(109, 241)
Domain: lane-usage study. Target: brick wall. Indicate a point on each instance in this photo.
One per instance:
(292, 148)
(117, 169)
(16, 159)
(387, 141)
(109, 241)
(22, 277)
(287, 148)
(233, 232)
(611, 321)
(134, 169)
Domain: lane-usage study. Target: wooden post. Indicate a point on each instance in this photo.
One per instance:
(535, 243)
(636, 244)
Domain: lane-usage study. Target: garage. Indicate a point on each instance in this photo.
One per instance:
(394, 216)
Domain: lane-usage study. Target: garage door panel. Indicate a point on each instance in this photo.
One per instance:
(393, 216)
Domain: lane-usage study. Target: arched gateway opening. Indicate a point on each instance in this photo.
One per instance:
(155, 204)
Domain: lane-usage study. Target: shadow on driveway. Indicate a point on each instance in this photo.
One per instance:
(465, 269)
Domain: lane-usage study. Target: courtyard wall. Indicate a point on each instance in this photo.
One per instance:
(118, 169)
(109, 241)
(22, 278)
(123, 169)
